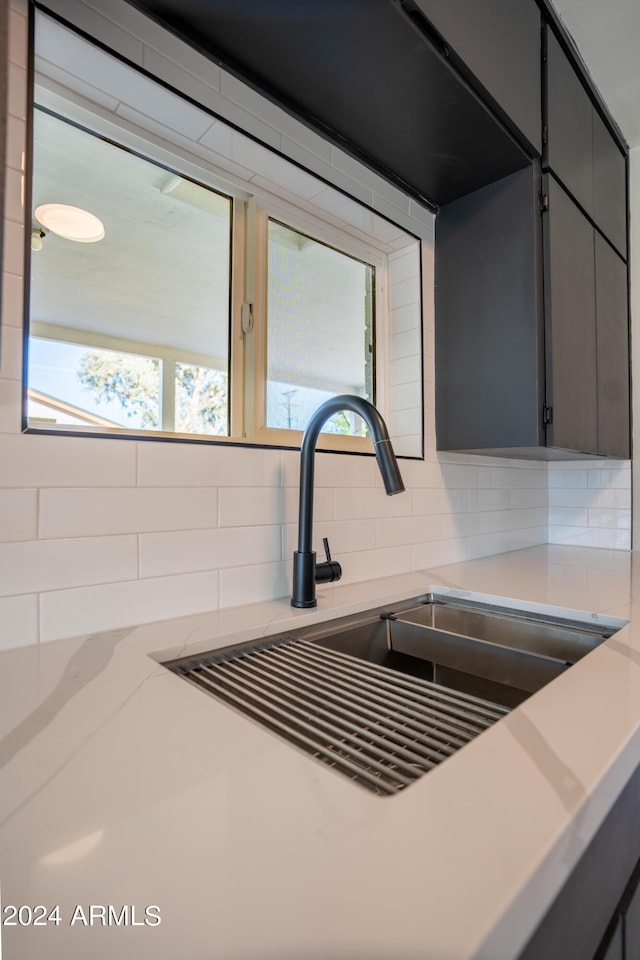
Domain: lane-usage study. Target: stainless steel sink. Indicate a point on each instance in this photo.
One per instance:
(386, 695)
(500, 654)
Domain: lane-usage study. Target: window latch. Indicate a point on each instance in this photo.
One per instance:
(246, 317)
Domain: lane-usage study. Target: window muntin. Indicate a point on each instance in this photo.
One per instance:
(320, 330)
(159, 278)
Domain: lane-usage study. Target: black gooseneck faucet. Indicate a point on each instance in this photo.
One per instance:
(306, 572)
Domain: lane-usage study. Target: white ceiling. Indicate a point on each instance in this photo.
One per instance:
(607, 33)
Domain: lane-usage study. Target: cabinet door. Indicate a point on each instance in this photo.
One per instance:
(570, 324)
(609, 186)
(632, 926)
(613, 352)
(615, 947)
(499, 42)
(569, 150)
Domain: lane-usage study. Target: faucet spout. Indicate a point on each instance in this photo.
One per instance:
(306, 572)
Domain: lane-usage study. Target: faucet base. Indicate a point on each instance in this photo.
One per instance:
(304, 580)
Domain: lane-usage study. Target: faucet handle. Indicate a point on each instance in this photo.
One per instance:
(329, 571)
(327, 551)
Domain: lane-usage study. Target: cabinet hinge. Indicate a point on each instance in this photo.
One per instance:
(543, 203)
(547, 415)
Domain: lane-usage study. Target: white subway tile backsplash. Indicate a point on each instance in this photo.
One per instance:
(18, 515)
(488, 498)
(458, 525)
(17, 32)
(35, 461)
(442, 501)
(266, 581)
(574, 479)
(92, 512)
(519, 477)
(405, 264)
(590, 497)
(69, 613)
(437, 553)
(150, 34)
(344, 536)
(368, 503)
(323, 505)
(405, 396)
(492, 543)
(568, 516)
(528, 497)
(406, 370)
(251, 506)
(404, 318)
(348, 211)
(18, 621)
(463, 475)
(200, 465)
(13, 253)
(340, 470)
(16, 134)
(590, 504)
(37, 565)
(405, 423)
(614, 519)
(93, 23)
(12, 301)
(162, 127)
(404, 293)
(617, 479)
(409, 446)
(388, 232)
(402, 345)
(11, 354)
(396, 531)
(14, 195)
(308, 149)
(57, 80)
(276, 170)
(163, 554)
(10, 406)
(203, 85)
(368, 564)
(590, 537)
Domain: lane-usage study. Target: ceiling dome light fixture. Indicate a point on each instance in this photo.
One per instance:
(72, 223)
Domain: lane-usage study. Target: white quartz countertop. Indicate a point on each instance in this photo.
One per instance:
(122, 785)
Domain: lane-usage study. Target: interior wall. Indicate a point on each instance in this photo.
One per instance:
(101, 533)
(634, 260)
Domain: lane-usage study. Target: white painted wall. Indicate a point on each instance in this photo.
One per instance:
(101, 533)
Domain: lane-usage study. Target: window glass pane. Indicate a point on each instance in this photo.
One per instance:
(201, 400)
(320, 330)
(154, 291)
(74, 384)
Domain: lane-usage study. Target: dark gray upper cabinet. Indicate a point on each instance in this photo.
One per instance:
(609, 186)
(580, 150)
(570, 312)
(612, 333)
(498, 43)
(489, 333)
(519, 373)
(364, 73)
(569, 147)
